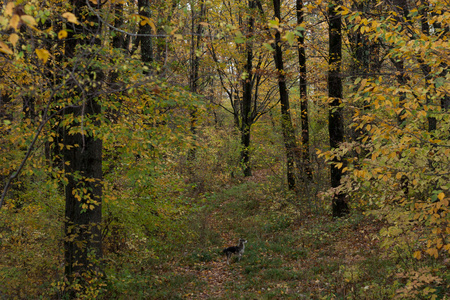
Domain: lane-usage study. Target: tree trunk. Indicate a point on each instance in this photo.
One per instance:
(194, 69)
(246, 120)
(363, 64)
(303, 94)
(335, 117)
(145, 41)
(119, 40)
(83, 168)
(286, 122)
(400, 6)
(426, 69)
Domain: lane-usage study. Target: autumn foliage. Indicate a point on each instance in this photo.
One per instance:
(138, 138)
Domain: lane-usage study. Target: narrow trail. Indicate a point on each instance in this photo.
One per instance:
(216, 274)
(312, 267)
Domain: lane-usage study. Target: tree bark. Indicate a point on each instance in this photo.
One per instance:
(246, 119)
(401, 7)
(335, 117)
(303, 94)
(83, 166)
(145, 41)
(286, 121)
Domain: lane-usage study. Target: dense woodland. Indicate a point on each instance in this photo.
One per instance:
(138, 139)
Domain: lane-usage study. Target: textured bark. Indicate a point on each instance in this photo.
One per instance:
(426, 69)
(83, 168)
(145, 41)
(401, 7)
(286, 121)
(246, 119)
(365, 63)
(335, 117)
(303, 94)
(119, 40)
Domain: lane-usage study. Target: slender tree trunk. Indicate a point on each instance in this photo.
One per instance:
(361, 67)
(402, 79)
(246, 119)
(83, 168)
(5, 115)
(426, 69)
(290, 142)
(303, 94)
(335, 117)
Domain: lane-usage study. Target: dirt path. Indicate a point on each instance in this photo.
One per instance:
(216, 276)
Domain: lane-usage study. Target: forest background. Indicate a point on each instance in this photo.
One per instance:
(139, 138)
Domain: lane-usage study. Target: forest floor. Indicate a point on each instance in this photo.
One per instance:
(289, 255)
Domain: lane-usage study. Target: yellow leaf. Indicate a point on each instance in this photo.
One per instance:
(149, 21)
(70, 17)
(94, 1)
(42, 55)
(9, 9)
(5, 49)
(13, 38)
(433, 252)
(417, 255)
(14, 22)
(441, 196)
(29, 20)
(62, 34)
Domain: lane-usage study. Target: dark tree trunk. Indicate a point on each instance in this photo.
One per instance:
(145, 41)
(246, 119)
(83, 168)
(426, 69)
(5, 115)
(401, 7)
(335, 117)
(119, 40)
(83, 199)
(286, 122)
(303, 94)
(364, 62)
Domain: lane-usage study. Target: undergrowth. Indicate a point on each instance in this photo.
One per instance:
(164, 234)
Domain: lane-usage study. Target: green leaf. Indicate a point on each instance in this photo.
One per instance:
(290, 37)
(239, 38)
(438, 82)
(268, 47)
